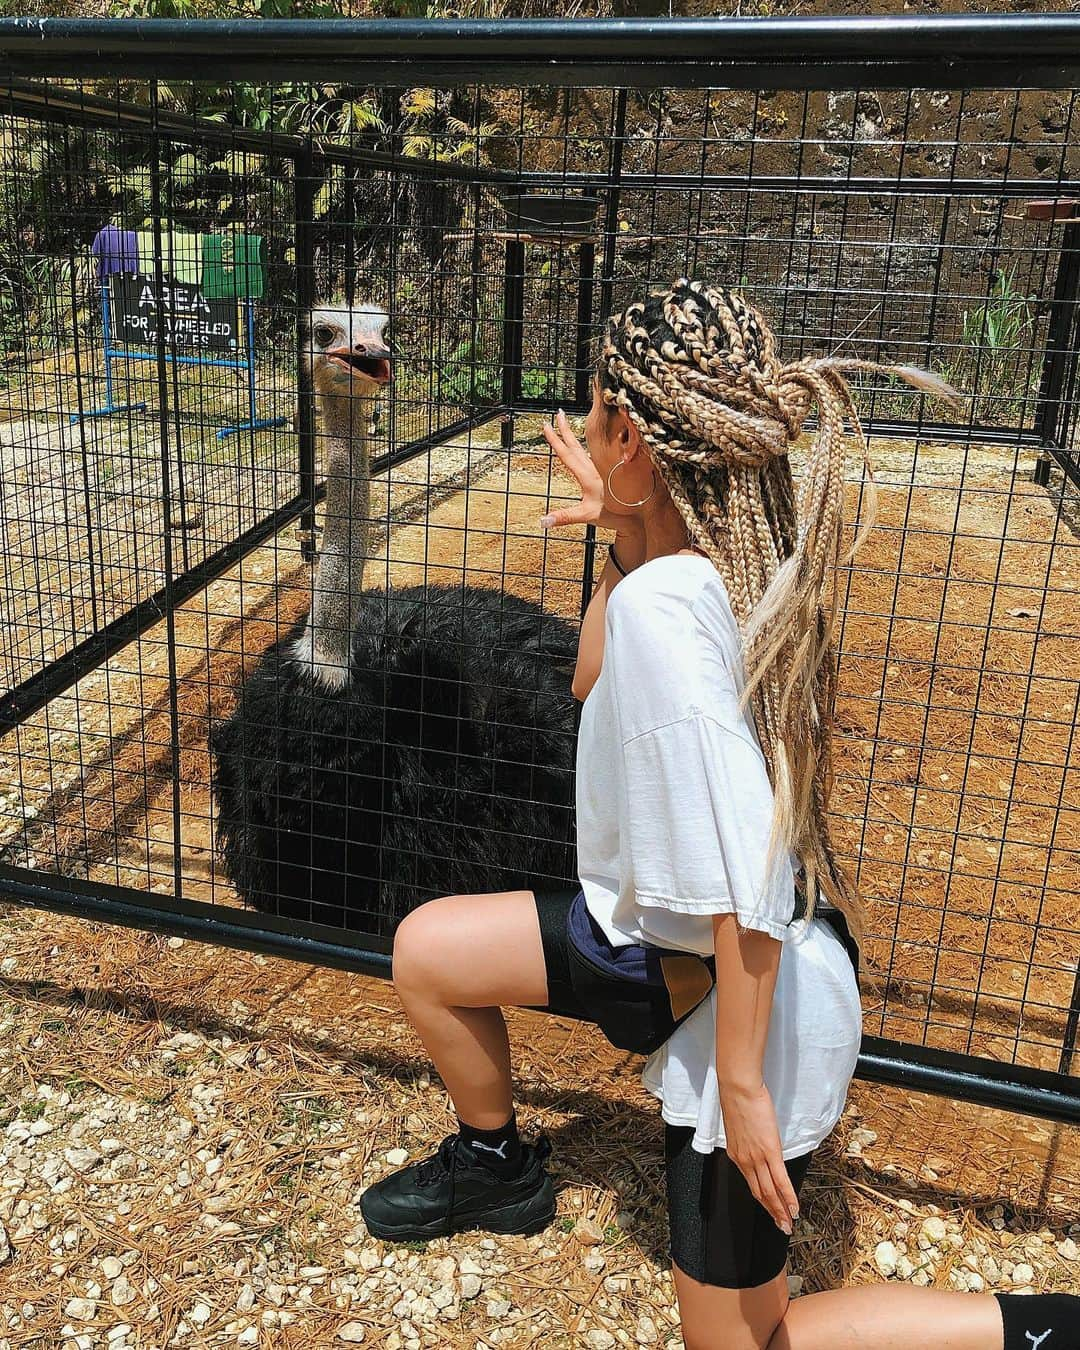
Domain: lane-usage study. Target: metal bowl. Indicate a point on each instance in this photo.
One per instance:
(536, 213)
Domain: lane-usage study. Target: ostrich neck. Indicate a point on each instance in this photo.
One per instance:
(339, 577)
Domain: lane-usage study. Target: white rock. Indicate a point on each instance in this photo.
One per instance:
(645, 1332)
(885, 1258)
(245, 1300)
(1023, 1274)
(598, 1339)
(470, 1285)
(118, 1332)
(5, 1245)
(249, 1336)
(111, 1266)
(200, 1314)
(935, 1229)
(83, 1309)
(1069, 1250)
(82, 1159)
(352, 1333)
(794, 1285)
(498, 1307)
(122, 1293)
(40, 1127)
(395, 1158)
(111, 1147)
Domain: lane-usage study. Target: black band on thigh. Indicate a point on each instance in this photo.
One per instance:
(551, 910)
(719, 1233)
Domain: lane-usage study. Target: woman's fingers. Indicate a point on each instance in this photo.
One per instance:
(765, 1192)
(579, 514)
(569, 450)
(785, 1189)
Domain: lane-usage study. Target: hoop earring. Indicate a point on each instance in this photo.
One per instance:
(616, 496)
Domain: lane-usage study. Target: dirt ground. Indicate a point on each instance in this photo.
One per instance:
(185, 1133)
(958, 786)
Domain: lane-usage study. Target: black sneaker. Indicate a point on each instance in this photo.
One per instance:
(451, 1191)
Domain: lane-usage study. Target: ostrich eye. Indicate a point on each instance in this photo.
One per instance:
(323, 334)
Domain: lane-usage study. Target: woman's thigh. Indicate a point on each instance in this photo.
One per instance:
(473, 951)
(728, 1256)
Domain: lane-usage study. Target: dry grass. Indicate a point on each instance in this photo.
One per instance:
(301, 1081)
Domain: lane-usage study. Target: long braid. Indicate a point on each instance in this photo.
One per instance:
(695, 370)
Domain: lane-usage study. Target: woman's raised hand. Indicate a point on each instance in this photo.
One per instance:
(591, 510)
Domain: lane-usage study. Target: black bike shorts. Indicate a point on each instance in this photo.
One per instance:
(719, 1234)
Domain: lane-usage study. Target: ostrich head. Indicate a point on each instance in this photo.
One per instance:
(349, 357)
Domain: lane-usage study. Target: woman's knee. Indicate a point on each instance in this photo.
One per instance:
(716, 1318)
(735, 1333)
(416, 946)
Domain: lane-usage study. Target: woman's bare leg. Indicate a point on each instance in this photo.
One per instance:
(870, 1317)
(456, 960)
(890, 1317)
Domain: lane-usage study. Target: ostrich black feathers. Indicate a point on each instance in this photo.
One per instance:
(443, 766)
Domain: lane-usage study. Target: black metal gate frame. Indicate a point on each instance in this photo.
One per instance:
(970, 51)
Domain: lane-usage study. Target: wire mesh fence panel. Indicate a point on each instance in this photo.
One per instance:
(283, 638)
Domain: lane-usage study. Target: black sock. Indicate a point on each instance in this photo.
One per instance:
(1040, 1321)
(499, 1150)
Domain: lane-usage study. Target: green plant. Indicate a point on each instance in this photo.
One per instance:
(466, 376)
(543, 382)
(992, 336)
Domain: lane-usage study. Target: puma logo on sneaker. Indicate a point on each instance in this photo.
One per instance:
(1036, 1341)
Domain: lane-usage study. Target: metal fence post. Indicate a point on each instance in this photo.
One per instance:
(1054, 395)
(513, 334)
(304, 201)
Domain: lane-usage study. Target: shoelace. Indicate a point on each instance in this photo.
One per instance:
(443, 1162)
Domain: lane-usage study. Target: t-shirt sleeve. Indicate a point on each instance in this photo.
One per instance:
(698, 814)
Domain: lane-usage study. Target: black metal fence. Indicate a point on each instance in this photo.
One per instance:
(906, 190)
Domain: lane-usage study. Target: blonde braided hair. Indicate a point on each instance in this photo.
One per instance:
(695, 370)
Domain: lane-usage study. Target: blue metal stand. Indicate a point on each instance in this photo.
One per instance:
(110, 408)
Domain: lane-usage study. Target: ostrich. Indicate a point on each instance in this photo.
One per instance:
(394, 745)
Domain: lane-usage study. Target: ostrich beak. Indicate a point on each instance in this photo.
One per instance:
(372, 365)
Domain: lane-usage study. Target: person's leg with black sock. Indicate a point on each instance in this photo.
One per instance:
(457, 962)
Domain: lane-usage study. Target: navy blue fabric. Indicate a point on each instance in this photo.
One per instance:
(630, 961)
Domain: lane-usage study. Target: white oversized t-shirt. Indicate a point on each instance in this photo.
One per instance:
(674, 810)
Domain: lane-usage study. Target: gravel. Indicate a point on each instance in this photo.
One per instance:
(195, 1183)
